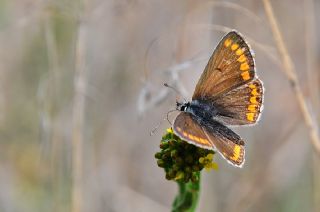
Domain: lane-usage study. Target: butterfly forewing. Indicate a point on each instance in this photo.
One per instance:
(228, 143)
(231, 65)
(187, 128)
(242, 105)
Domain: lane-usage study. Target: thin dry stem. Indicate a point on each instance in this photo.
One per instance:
(78, 118)
(52, 84)
(310, 40)
(292, 76)
(313, 85)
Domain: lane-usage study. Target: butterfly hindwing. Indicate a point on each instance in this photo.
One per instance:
(226, 142)
(187, 128)
(242, 105)
(231, 65)
(211, 135)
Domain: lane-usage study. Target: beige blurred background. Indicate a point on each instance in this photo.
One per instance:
(81, 89)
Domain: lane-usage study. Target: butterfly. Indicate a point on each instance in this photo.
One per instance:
(228, 93)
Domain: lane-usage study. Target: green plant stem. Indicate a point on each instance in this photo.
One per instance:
(188, 196)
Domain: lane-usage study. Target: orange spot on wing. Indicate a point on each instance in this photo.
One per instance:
(244, 66)
(254, 92)
(252, 108)
(242, 58)
(245, 75)
(239, 52)
(250, 116)
(252, 86)
(227, 43)
(203, 141)
(236, 153)
(185, 134)
(253, 100)
(197, 139)
(191, 137)
(234, 47)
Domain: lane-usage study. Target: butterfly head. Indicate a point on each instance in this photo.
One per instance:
(182, 106)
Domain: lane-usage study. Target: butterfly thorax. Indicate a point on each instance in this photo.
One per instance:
(201, 110)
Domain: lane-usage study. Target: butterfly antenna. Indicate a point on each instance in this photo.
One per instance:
(175, 90)
(153, 131)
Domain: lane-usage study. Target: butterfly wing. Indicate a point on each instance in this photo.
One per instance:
(231, 65)
(228, 143)
(188, 129)
(213, 135)
(242, 105)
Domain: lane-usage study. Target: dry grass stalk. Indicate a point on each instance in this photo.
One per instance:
(78, 118)
(292, 76)
(312, 76)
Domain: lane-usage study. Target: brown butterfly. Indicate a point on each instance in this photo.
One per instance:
(228, 93)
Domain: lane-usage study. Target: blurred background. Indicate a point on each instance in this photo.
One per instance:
(82, 87)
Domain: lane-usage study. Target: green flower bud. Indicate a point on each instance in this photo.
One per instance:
(180, 175)
(164, 145)
(158, 155)
(182, 161)
(160, 163)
